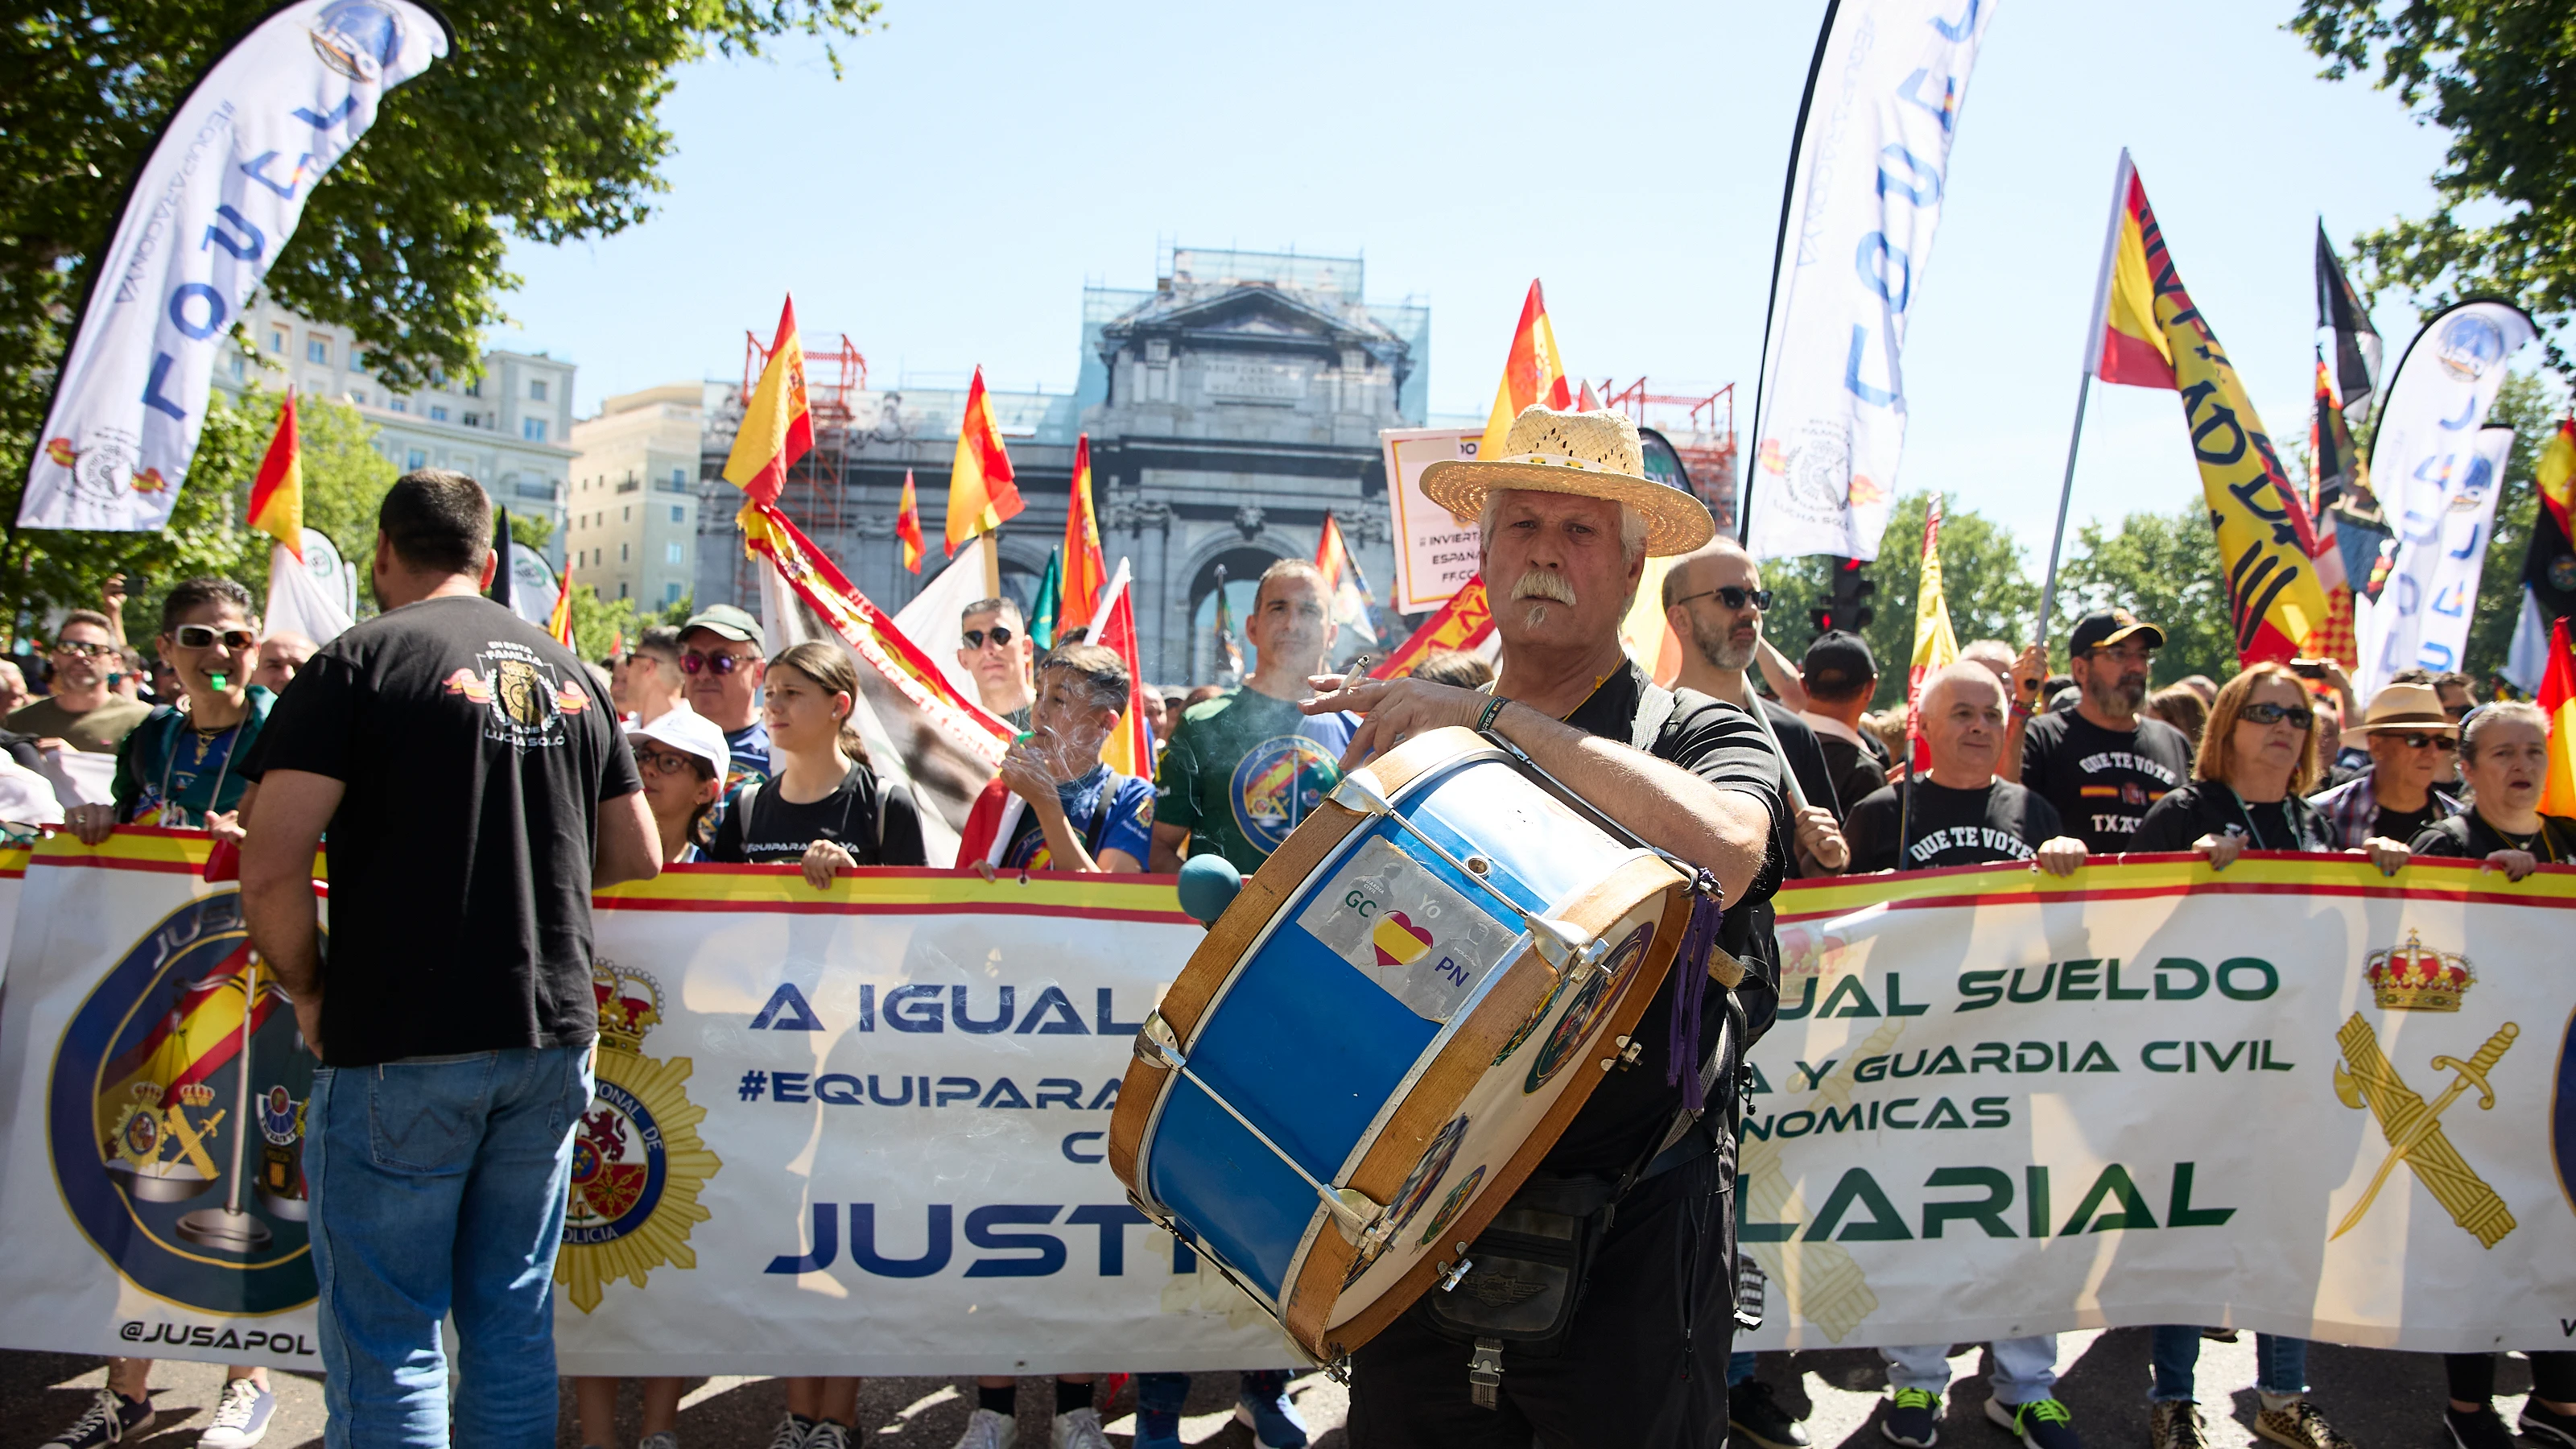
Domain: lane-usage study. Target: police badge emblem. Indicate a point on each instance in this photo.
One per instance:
(638, 1163)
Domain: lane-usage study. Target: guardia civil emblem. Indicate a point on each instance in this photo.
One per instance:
(638, 1163)
(2414, 978)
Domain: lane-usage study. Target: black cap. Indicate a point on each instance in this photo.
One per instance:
(2105, 627)
(1838, 661)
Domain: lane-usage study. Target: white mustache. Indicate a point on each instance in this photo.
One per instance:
(1540, 584)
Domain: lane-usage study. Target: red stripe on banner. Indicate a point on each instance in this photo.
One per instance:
(2047, 897)
(109, 862)
(880, 908)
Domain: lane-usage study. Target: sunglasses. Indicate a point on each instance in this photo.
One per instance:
(2443, 744)
(694, 661)
(207, 636)
(2267, 713)
(1734, 598)
(86, 651)
(1000, 634)
(670, 762)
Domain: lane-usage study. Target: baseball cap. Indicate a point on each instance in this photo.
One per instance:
(1838, 660)
(689, 732)
(728, 622)
(2105, 627)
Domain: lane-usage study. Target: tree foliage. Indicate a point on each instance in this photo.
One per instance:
(2497, 75)
(1983, 578)
(542, 124)
(2162, 567)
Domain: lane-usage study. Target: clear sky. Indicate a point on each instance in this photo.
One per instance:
(945, 201)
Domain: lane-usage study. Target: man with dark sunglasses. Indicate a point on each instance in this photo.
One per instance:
(2103, 764)
(723, 655)
(85, 711)
(994, 647)
(2413, 744)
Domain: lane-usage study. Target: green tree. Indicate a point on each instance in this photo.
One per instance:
(2162, 567)
(1983, 578)
(2497, 75)
(542, 124)
(598, 623)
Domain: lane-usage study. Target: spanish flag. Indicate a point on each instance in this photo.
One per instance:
(1532, 373)
(907, 525)
(1130, 748)
(2558, 701)
(2149, 334)
(980, 491)
(1086, 573)
(559, 623)
(1936, 646)
(1464, 622)
(776, 429)
(277, 494)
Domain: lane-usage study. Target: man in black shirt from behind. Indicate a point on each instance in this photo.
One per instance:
(476, 788)
(1642, 1364)
(2103, 764)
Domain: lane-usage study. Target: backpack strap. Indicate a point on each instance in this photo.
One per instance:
(1099, 825)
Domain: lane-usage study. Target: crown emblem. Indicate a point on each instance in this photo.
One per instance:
(197, 1094)
(630, 1004)
(2414, 977)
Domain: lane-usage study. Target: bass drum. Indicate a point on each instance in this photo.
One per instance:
(1388, 1028)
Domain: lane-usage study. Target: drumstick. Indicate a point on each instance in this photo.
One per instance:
(1797, 797)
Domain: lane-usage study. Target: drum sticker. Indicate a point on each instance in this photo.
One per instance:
(1449, 1206)
(1419, 1184)
(1588, 1007)
(1407, 930)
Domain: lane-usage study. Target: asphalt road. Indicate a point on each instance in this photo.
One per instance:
(2379, 1400)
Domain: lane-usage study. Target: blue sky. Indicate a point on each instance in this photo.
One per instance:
(946, 200)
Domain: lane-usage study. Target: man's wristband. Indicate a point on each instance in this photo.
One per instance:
(1493, 708)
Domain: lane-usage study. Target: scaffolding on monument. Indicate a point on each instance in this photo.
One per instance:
(814, 496)
(1704, 436)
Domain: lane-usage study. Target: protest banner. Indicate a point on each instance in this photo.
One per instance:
(1996, 1102)
(1435, 550)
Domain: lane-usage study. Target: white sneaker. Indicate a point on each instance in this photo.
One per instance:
(988, 1430)
(241, 1416)
(667, 1439)
(791, 1432)
(824, 1435)
(1079, 1429)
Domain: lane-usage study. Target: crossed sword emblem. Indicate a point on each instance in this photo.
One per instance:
(2414, 1128)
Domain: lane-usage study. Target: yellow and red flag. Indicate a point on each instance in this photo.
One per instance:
(1086, 573)
(2555, 476)
(1936, 646)
(776, 428)
(277, 494)
(2558, 701)
(1464, 622)
(1533, 372)
(907, 526)
(2150, 335)
(559, 623)
(1130, 747)
(981, 493)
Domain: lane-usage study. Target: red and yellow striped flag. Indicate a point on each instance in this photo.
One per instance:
(2153, 336)
(907, 526)
(277, 494)
(981, 493)
(1130, 747)
(559, 623)
(1462, 623)
(1936, 646)
(776, 428)
(1086, 573)
(1533, 372)
(2558, 701)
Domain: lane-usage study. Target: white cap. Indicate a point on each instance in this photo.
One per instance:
(689, 732)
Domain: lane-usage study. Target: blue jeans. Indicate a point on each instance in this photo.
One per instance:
(2025, 1368)
(1739, 1367)
(1165, 1393)
(438, 1186)
(2280, 1364)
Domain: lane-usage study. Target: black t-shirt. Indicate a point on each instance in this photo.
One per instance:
(476, 752)
(2207, 807)
(778, 831)
(2405, 824)
(1722, 745)
(1949, 827)
(1806, 756)
(2103, 781)
(1859, 771)
(2468, 836)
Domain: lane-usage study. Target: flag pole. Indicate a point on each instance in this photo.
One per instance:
(1905, 792)
(2084, 391)
(1779, 250)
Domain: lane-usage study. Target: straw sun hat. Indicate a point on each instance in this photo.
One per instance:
(1591, 455)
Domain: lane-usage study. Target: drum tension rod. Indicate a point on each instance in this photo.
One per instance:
(1360, 1216)
(1564, 947)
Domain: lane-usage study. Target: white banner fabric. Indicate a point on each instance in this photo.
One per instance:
(2002, 1104)
(1997, 1103)
(1872, 165)
(1435, 550)
(2421, 460)
(2422, 616)
(308, 598)
(930, 618)
(214, 205)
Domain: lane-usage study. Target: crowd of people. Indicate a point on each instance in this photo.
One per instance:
(1762, 768)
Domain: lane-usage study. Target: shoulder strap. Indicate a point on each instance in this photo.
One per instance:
(1654, 711)
(1100, 814)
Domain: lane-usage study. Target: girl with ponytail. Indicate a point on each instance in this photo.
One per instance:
(823, 807)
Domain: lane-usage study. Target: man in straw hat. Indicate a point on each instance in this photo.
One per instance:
(1568, 518)
(2413, 743)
